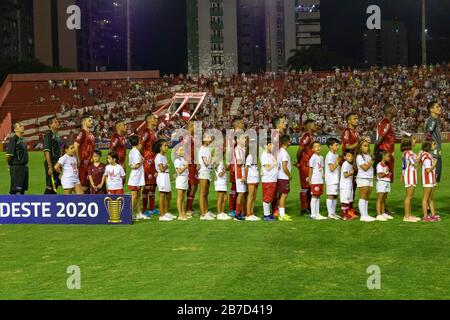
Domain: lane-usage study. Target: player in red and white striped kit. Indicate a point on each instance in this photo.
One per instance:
(428, 180)
(409, 175)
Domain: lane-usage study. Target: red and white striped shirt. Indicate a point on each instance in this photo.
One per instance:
(409, 176)
(427, 163)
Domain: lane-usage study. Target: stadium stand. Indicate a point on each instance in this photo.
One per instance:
(326, 96)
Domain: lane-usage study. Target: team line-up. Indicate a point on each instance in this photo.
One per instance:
(79, 170)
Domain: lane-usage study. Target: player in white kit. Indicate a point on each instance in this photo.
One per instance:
(332, 173)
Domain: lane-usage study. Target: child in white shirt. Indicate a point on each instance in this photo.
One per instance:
(383, 186)
(163, 180)
(284, 176)
(316, 165)
(181, 182)
(67, 167)
(220, 186)
(114, 175)
(136, 180)
(252, 174)
(269, 177)
(346, 186)
(332, 173)
(364, 179)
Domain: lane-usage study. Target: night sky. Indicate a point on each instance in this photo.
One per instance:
(160, 33)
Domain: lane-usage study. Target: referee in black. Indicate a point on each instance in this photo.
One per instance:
(52, 153)
(17, 158)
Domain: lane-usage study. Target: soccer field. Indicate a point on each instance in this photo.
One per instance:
(302, 259)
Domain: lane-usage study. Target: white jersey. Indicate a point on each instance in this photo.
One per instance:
(220, 184)
(69, 167)
(114, 177)
(253, 173)
(331, 177)
(137, 176)
(180, 163)
(283, 156)
(361, 160)
(269, 175)
(316, 163)
(204, 153)
(409, 170)
(161, 159)
(383, 168)
(346, 183)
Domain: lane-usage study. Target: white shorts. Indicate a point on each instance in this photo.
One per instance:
(220, 186)
(204, 175)
(364, 182)
(346, 195)
(332, 189)
(429, 185)
(241, 187)
(383, 186)
(163, 182)
(69, 183)
(181, 183)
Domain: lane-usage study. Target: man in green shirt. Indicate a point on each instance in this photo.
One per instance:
(432, 132)
(52, 153)
(17, 159)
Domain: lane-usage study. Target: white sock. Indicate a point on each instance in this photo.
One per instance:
(361, 206)
(313, 207)
(330, 207)
(317, 207)
(266, 208)
(281, 211)
(334, 204)
(366, 207)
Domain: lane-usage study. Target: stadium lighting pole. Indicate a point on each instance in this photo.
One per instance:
(424, 34)
(269, 26)
(128, 37)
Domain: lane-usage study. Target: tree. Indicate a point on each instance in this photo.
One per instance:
(316, 58)
(28, 66)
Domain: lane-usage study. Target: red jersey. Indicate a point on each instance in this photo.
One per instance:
(306, 141)
(96, 172)
(86, 140)
(349, 136)
(118, 144)
(147, 140)
(385, 130)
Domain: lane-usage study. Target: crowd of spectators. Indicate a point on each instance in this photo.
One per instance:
(325, 97)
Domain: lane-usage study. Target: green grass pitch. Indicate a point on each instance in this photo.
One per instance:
(302, 259)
